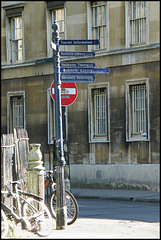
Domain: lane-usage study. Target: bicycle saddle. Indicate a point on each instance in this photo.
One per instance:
(17, 182)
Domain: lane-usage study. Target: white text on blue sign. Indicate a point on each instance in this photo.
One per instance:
(79, 42)
(77, 78)
(77, 54)
(85, 70)
(74, 65)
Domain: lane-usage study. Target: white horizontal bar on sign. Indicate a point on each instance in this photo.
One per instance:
(71, 91)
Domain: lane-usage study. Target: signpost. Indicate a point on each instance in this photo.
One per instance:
(64, 93)
(68, 93)
(61, 209)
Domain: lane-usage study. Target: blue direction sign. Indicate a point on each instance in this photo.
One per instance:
(73, 65)
(76, 54)
(44, 61)
(85, 70)
(77, 78)
(79, 42)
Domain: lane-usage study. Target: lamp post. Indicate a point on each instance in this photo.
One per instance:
(61, 210)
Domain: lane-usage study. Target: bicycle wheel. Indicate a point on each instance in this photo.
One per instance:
(37, 213)
(4, 225)
(71, 204)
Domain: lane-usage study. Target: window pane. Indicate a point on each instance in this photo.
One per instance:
(138, 22)
(58, 15)
(99, 23)
(136, 31)
(102, 37)
(17, 111)
(100, 111)
(17, 50)
(51, 118)
(99, 16)
(138, 109)
(16, 25)
(16, 28)
(134, 9)
(20, 50)
(103, 15)
(13, 29)
(95, 16)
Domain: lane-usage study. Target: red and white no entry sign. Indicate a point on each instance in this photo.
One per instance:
(68, 93)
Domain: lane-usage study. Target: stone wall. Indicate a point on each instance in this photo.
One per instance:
(116, 176)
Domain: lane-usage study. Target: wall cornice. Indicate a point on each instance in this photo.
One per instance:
(114, 58)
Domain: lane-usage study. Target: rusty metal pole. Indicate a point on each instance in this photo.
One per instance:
(61, 210)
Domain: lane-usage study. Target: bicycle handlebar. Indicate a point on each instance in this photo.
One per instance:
(8, 192)
(50, 171)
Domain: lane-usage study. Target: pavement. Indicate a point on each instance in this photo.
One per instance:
(90, 228)
(123, 195)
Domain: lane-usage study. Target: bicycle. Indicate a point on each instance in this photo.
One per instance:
(30, 211)
(71, 203)
(4, 225)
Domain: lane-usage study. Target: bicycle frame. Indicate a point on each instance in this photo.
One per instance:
(18, 217)
(49, 181)
(11, 212)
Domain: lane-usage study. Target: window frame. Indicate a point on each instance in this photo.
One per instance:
(51, 119)
(9, 96)
(51, 6)
(128, 36)
(93, 139)
(17, 10)
(129, 137)
(14, 39)
(90, 27)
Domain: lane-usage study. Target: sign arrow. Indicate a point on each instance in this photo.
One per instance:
(44, 61)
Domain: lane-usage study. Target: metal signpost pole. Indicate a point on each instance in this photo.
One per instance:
(61, 210)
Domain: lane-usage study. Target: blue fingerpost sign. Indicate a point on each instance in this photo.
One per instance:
(77, 65)
(85, 70)
(77, 77)
(76, 54)
(79, 42)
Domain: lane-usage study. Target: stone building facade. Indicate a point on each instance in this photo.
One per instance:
(113, 127)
